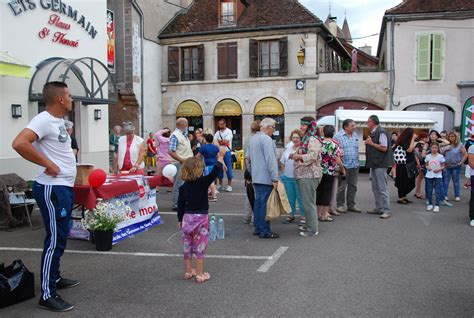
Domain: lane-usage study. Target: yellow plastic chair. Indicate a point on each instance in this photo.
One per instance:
(240, 160)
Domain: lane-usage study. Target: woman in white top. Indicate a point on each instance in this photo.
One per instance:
(131, 152)
(288, 177)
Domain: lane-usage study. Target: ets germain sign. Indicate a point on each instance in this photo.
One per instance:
(61, 20)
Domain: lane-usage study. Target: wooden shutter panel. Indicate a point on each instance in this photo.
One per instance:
(232, 60)
(201, 62)
(423, 60)
(253, 55)
(284, 56)
(436, 65)
(222, 60)
(173, 63)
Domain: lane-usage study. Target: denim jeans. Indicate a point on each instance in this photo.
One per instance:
(452, 173)
(262, 192)
(437, 184)
(293, 194)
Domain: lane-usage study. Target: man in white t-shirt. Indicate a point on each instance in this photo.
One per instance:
(223, 137)
(46, 143)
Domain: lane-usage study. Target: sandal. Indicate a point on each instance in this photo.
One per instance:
(202, 278)
(418, 196)
(327, 219)
(290, 219)
(189, 275)
(270, 236)
(400, 201)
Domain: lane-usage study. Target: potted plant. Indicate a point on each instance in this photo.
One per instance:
(103, 220)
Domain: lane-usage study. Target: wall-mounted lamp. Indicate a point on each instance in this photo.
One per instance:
(97, 114)
(206, 101)
(301, 56)
(16, 110)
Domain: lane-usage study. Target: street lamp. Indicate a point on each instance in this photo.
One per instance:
(301, 56)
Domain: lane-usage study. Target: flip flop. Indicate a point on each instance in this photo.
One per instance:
(189, 275)
(203, 278)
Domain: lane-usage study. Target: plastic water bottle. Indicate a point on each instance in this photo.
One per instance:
(220, 229)
(212, 228)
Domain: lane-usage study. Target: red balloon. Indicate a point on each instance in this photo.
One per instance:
(97, 178)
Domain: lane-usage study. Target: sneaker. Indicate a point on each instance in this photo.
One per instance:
(55, 304)
(446, 203)
(308, 234)
(64, 283)
(341, 209)
(303, 228)
(436, 209)
(457, 199)
(385, 216)
(472, 223)
(446, 199)
(244, 221)
(228, 189)
(375, 212)
(220, 188)
(354, 209)
(429, 208)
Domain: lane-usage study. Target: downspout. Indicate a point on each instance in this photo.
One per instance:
(142, 86)
(392, 63)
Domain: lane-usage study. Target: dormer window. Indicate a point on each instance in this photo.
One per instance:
(227, 13)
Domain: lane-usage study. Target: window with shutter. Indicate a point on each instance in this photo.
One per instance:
(269, 53)
(200, 62)
(429, 57)
(192, 63)
(283, 58)
(173, 64)
(424, 55)
(436, 57)
(227, 60)
(253, 58)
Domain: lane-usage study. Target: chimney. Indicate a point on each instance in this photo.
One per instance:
(333, 25)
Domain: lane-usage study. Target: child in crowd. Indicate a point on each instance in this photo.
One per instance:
(151, 153)
(193, 209)
(435, 163)
(209, 152)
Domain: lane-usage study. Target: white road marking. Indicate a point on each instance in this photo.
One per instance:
(272, 260)
(244, 257)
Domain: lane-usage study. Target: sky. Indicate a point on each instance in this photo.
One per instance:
(364, 16)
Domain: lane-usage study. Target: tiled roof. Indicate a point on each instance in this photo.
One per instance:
(202, 16)
(431, 6)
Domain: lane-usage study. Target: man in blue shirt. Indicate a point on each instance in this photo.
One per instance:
(349, 142)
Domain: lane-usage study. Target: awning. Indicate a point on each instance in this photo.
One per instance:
(269, 106)
(189, 108)
(227, 107)
(86, 77)
(11, 66)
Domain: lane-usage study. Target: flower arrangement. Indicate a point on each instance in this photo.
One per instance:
(105, 216)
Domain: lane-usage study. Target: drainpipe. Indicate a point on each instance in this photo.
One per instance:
(392, 63)
(142, 86)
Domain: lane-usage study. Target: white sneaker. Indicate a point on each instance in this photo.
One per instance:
(228, 189)
(429, 208)
(436, 209)
(446, 199)
(472, 223)
(457, 199)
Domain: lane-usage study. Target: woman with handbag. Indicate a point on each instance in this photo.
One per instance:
(407, 169)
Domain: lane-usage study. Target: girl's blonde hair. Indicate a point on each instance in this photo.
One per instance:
(456, 138)
(193, 169)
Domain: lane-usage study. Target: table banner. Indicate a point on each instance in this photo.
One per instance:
(144, 210)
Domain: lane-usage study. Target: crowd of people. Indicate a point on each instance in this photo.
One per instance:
(318, 168)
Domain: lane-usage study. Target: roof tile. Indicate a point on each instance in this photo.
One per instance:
(431, 6)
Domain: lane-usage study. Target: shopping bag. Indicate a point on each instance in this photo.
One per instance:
(17, 284)
(277, 204)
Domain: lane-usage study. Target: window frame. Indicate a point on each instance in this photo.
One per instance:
(223, 20)
(192, 62)
(442, 55)
(270, 71)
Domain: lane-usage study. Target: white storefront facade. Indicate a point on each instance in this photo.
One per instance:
(60, 41)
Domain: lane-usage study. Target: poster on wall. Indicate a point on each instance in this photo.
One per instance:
(110, 41)
(467, 127)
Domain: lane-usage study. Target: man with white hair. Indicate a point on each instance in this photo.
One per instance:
(264, 171)
(179, 150)
(75, 148)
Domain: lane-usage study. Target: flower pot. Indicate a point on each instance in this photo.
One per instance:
(103, 240)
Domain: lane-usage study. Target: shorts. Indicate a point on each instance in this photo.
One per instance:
(324, 190)
(195, 235)
(208, 169)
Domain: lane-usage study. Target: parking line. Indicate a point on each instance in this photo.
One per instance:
(245, 257)
(272, 260)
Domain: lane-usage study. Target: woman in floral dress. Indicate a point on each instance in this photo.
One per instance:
(330, 159)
